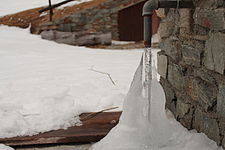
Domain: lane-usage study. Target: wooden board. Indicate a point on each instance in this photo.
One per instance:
(92, 130)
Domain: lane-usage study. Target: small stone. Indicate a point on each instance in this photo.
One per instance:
(184, 113)
(191, 56)
(209, 126)
(171, 47)
(205, 75)
(175, 76)
(212, 19)
(166, 29)
(170, 96)
(202, 92)
(217, 19)
(162, 65)
(221, 101)
(215, 53)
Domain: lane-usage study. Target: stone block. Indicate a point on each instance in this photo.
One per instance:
(162, 65)
(202, 92)
(209, 3)
(175, 76)
(221, 101)
(191, 56)
(205, 75)
(166, 29)
(170, 96)
(185, 21)
(217, 19)
(209, 126)
(172, 47)
(184, 113)
(214, 57)
(212, 19)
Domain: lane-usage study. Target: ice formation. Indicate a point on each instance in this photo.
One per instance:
(139, 131)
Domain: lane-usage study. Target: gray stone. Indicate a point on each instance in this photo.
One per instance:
(217, 19)
(215, 53)
(175, 76)
(185, 21)
(205, 75)
(202, 92)
(191, 56)
(221, 101)
(209, 3)
(170, 96)
(166, 29)
(209, 126)
(223, 143)
(172, 47)
(162, 65)
(212, 19)
(184, 113)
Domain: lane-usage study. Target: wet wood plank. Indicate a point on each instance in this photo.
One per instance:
(92, 130)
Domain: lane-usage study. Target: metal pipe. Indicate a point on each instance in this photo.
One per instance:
(152, 5)
(148, 10)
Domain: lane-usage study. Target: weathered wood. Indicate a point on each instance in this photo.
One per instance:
(54, 6)
(92, 130)
(78, 38)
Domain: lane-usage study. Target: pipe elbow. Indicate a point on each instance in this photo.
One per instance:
(150, 6)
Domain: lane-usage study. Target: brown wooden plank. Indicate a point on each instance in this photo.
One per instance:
(92, 130)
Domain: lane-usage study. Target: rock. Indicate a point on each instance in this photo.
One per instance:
(77, 38)
(209, 3)
(221, 101)
(175, 76)
(172, 47)
(185, 21)
(215, 53)
(202, 92)
(205, 75)
(217, 19)
(170, 96)
(162, 65)
(191, 56)
(212, 19)
(166, 29)
(209, 126)
(184, 113)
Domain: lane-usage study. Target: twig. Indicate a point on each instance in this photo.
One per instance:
(105, 74)
(89, 116)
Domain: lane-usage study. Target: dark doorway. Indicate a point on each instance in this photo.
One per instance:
(130, 23)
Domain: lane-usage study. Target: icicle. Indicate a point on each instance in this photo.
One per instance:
(147, 77)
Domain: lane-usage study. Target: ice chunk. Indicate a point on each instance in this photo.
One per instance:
(137, 132)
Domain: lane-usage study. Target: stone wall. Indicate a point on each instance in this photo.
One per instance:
(101, 18)
(192, 66)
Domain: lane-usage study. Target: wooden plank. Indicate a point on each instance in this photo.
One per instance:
(92, 130)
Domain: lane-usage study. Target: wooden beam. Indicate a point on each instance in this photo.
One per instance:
(92, 130)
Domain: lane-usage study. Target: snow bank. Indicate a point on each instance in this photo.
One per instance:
(14, 6)
(45, 85)
(136, 132)
(3, 147)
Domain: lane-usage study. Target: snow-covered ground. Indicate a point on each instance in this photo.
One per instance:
(44, 85)
(14, 6)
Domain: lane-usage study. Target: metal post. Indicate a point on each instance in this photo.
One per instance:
(50, 10)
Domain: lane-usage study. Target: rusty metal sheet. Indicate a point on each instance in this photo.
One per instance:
(92, 130)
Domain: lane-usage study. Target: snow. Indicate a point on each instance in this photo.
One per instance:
(3, 147)
(45, 85)
(147, 126)
(14, 6)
